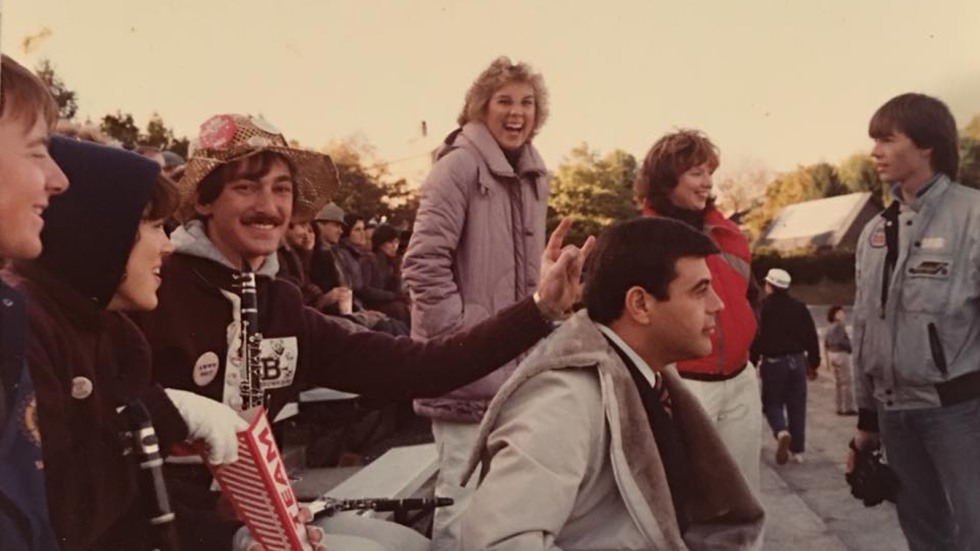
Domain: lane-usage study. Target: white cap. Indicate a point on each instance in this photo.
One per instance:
(778, 278)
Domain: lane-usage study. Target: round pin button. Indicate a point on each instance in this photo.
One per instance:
(81, 388)
(205, 368)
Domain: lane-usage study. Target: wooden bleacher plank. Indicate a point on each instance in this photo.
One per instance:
(323, 394)
(398, 474)
(288, 411)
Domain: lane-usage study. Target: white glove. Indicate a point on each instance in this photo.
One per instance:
(243, 540)
(211, 421)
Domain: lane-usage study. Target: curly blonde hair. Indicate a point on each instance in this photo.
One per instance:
(500, 73)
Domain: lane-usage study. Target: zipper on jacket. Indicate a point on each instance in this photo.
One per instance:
(891, 253)
(936, 347)
(519, 239)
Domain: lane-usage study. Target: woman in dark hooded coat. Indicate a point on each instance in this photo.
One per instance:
(103, 246)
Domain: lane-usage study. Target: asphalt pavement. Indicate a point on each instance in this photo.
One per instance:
(809, 505)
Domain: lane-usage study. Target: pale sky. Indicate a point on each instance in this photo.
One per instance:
(781, 82)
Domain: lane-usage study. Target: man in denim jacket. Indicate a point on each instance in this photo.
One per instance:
(917, 326)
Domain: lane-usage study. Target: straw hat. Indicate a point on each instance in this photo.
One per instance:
(231, 137)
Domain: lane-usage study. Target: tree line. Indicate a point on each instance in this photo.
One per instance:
(595, 189)
(366, 186)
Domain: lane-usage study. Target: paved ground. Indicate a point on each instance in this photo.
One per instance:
(809, 505)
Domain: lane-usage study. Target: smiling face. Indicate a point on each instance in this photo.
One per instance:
(693, 188)
(28, 179)
(300, 236)
(249, 217)
(138, 289)
(358, 235)
(510, 115)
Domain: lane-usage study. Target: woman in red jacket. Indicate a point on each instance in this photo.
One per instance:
(675, 181)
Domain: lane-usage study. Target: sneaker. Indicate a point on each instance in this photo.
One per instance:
(796, 457)
(782, 447)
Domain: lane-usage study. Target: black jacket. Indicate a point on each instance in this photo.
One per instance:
(786, 328)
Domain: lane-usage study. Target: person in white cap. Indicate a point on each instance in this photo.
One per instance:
(789, 349)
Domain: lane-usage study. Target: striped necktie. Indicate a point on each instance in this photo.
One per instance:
(662, 394)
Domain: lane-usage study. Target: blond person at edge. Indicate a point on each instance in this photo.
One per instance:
(475, 249)
(29, 178)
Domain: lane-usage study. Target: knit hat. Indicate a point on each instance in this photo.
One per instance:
(383, 234)
(228, 138)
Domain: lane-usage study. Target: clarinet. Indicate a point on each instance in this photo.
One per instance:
(328, 506)
(251, 384)
(153, 489)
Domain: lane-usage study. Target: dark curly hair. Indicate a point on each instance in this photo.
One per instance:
(832, 313)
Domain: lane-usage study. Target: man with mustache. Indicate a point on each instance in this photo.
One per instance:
(242, 184)
(594, 442)
(917, 326)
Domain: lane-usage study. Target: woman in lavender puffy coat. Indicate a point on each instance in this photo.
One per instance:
(476, 249)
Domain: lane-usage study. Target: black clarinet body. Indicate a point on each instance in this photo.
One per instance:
(329, 506)
(251, 383)
(154, 498)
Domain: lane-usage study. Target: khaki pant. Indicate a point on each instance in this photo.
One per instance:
(348, 531)
(840, 363)
(735, 408)
(454, 443)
